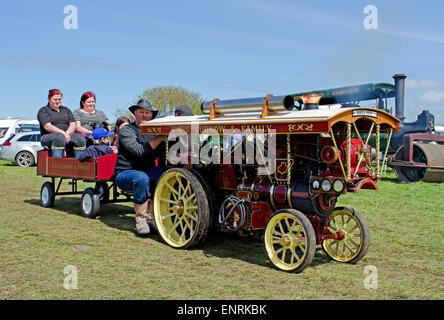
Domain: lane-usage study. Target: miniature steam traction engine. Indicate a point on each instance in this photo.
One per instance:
(305, 156)
(272, 167)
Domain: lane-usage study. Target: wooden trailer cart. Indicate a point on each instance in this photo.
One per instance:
(98, 171)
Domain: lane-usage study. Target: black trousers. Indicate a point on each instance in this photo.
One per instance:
(58, 140)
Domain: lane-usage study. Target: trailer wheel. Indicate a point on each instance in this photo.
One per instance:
(289, 240)
(90, 203)
(181, 209)
(354, 236)
(47, 195)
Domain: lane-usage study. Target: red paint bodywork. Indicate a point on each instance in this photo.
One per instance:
(101, 168)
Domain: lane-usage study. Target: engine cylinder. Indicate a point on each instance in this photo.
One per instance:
(275, 104)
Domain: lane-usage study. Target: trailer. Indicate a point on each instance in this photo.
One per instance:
(98, 171)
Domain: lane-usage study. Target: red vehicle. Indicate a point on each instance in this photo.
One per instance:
(311, 154)
(304, 157)
(98, 171)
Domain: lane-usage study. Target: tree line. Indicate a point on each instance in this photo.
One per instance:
(166, 99)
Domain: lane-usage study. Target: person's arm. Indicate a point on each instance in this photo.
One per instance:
(128, 139)
(72, 122)
(154, 143)
(86, 155)
(45, 121)
(71, 128)
(53, 129)
(81, 129)
(78, 119)
(138, 147)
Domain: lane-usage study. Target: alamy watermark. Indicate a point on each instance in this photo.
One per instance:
(232, 147)
(71, 280)
(371, 20)
(371, 280)
(71, 21)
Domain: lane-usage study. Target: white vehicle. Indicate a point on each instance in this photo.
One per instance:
(8, 127)
(22, 148)
(439, 130)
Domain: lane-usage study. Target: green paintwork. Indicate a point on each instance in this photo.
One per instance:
(368, 91)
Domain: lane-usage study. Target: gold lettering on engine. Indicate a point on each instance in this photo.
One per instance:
(300, 127)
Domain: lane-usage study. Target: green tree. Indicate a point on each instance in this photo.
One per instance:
(167, 98)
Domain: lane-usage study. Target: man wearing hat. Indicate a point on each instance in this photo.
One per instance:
(135, 166)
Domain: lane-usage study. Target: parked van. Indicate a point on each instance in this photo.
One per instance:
(9, 127)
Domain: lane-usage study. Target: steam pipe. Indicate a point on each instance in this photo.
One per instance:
(399, 95)
(275, 103)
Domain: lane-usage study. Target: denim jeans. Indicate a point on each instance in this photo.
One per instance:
(138, 181)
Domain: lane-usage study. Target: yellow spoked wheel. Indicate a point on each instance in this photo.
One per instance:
(289, 240)
(181, 208)
(353, 237)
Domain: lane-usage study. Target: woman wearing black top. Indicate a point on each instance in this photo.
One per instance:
(57, 127)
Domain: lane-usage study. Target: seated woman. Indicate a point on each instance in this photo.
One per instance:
(88, 117)
(57, 126)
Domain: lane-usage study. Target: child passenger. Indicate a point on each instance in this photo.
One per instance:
(120, 122)
(101, 148)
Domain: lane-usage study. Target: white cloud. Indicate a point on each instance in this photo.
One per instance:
(422, 84)
(432, 97)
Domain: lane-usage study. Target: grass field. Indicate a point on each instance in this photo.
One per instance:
(113, 262)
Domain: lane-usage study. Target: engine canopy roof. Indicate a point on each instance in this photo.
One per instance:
(291, 122)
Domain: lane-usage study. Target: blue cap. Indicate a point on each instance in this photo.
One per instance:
(100, 133)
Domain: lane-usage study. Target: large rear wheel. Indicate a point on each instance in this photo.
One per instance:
(289, 240)
(181, 208)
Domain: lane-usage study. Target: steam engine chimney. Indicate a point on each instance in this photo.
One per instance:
(311, 101)
(399, 95)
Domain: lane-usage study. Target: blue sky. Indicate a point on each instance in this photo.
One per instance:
(222, 49)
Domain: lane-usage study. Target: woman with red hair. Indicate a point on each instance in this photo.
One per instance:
(88, 117)
(57, 127)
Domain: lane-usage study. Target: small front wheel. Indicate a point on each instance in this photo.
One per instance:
(47, 195)
(353, 236)
(90, 204)
(289, 240)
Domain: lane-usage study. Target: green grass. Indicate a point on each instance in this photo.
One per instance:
(113, 262)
